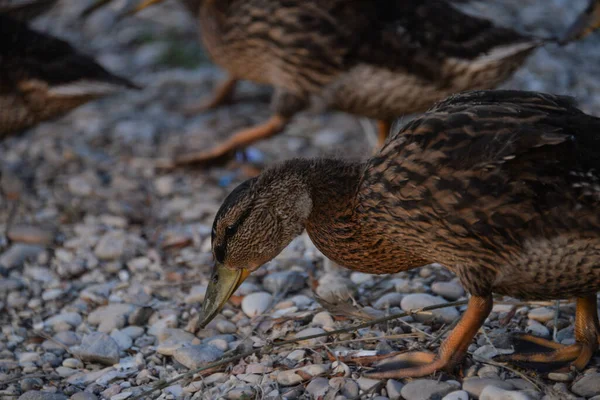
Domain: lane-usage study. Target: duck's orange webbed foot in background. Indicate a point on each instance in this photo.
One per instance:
(546, 355)
(451, 353)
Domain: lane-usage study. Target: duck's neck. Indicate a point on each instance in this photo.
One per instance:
(342, 229)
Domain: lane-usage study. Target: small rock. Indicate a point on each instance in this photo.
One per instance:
(359, 278)
(133, 332)
(72, 363)
(30, 234)
(36, 395)
(65, 372)
(495, 393)
(123, 341)
(310, 332)
(419, 300)
(324, 320)
(240, 393)
(99, 347)
(84, 396)
(196, 295)
(290, 281)
(73, 319)
(448, 290)
(537, 329)
(225, 326)
(393, 389)
(474, 386)
(318, 387)
(425, 389)
(29, 384)
(197, 356)
(29, 357)
(171, 339)
(18, 253)
(458, 395)
(256, 303)
(110, 246)
(295, 376)
(366, 384)
(389, 300)
(335, 288)
(541, 314)
(560, 376)
(587, 386)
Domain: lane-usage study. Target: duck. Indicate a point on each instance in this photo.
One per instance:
(371, 58)
(501, 187)
(43, 77)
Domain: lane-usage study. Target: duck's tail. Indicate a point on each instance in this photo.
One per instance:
(586, 23)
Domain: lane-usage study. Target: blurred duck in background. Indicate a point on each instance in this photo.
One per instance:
(379, 59)
(41, 76)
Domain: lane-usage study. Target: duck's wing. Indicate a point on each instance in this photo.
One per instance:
(25, 10)
(499, 165)
(28, 55)
(419, 35)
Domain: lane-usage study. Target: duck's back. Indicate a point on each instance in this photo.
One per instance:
(507, 181)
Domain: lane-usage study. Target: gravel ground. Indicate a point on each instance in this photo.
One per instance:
(107, 259)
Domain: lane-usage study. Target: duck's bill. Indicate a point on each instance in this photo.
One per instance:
(223, 284)
(587, 23)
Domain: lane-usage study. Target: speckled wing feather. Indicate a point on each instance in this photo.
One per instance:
(493, 168)
(26, 54)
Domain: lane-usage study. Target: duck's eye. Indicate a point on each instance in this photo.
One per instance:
(230, 230)
(215, 278)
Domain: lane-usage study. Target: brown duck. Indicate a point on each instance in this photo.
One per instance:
(43, 77)
(374, 58)
(501, 187)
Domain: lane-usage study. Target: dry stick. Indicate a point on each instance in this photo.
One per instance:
(269, 347)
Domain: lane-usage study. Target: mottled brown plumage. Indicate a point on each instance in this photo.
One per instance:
(374, 58)
(43, 77)
(501, 187)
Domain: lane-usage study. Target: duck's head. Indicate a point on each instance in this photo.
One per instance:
(255, 223)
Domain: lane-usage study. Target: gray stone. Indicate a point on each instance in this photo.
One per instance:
(84, 396)
(457, 395)
(394, 388)
(290, 281)
(296, 376)
(99, 347)
(425, 389)
(587, 386)
(110, 317)
(389, 300)
(474, 386)
(318, 387)
(123, 340)
(419, 300)
(171, 339)
(19, 253)
(448, 290)
(495, 393)
(110, 246)
(133, 332)
(335, 288)
(309, 332)
(225, 326)
(37, 395)
(541, 314)
(256, 303)
(197, 356)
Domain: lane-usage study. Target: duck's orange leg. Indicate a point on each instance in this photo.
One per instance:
(222, 95)
(383, 130)
(244, 138)
(578, 355)
(451, 353)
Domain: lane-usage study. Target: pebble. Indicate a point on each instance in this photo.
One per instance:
(84, 396)
(240, 393)
(196, 295)
(99, 347)
(389, 300)
(296, 376)
(495, 393)
(289, 281)
(318, 387)
(256, 303)
(335, 288)
(30, 234)
(537, 329)
(310, 332)
(225, 326)
(419, 300)
(366, 384)
(324, 320)
(72, 363)
(541, 314)
(196, 356)
(123, 340)
(18, 253)
(587, 386)
(449, 290)
(474, 386)
(457, 395)
(110, 317)
(425, 389)
(110, 246)
(171, 339)
(37, 395)
(394, 389)
(72, 319)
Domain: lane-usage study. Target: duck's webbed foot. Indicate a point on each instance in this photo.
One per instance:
(545, 355)
(451, 353)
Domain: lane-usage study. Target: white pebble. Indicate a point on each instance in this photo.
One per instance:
(256, 303)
